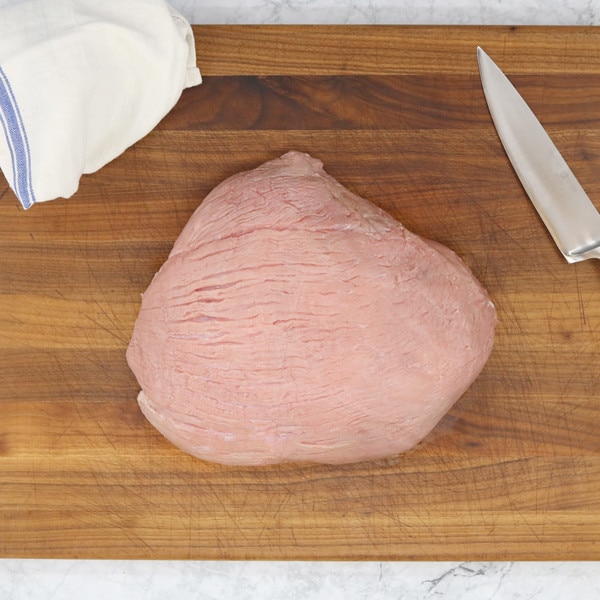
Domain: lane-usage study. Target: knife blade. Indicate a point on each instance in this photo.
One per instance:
(565, 208)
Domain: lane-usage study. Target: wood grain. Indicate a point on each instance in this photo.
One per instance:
(398, 116)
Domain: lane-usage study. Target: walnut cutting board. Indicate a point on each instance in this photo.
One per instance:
(397, 115)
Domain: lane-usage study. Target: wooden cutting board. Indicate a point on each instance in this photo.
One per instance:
(397, 115)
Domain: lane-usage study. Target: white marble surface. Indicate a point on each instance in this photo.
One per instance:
(442, 12)
(116, 580)
(133, 580)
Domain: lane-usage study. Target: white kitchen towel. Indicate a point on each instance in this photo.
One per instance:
(80, 82)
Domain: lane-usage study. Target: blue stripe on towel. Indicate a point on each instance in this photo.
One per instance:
(16, 137)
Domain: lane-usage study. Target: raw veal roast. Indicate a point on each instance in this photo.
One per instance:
(296, 321)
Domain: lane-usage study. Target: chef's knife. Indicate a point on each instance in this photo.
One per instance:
(565, 208)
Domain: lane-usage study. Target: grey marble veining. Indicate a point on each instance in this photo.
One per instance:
(419, 12)
(188, 580)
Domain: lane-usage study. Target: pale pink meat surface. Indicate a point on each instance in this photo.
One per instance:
(296, 321)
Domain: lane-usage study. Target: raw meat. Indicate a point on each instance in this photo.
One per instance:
(296, 321)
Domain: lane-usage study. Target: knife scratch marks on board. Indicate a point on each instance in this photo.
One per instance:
(498, 224)
(232, 519)
(581, 305)
(114, 331)
(524, 520)
(106, 435)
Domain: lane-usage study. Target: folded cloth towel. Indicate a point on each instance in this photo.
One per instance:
(80, 82)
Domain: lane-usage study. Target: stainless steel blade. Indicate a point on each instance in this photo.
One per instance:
(565, 208)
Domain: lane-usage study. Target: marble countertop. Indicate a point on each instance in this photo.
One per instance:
(417, 12)
(208, 580)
